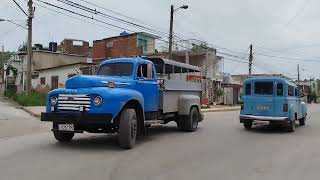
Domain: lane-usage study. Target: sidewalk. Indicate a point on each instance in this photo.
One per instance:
(36, 110)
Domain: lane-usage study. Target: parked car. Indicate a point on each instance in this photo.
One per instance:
(126, 97)
(272, 98)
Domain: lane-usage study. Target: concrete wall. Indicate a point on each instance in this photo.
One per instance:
(47, 59)
(78, 47)
(125, 46)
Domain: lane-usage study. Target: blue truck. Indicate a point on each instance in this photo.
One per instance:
(126, 96)
(272, 98)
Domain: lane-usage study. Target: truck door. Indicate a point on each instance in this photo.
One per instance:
(148, 86)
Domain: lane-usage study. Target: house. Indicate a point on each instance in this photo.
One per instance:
(210, 64)
(46, 60)
(231, 89)
(125, 45)
(55, 77)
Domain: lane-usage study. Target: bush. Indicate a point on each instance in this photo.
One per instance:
(35, 99)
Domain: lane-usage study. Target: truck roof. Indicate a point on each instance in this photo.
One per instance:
(125, 60)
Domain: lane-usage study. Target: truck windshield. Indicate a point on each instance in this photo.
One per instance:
(263, 88)
(116, 69)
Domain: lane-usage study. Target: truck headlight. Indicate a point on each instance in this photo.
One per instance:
(53, 100)
(97, 101)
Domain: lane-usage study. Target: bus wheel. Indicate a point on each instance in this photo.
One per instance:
(128, 128)
(247, 125)
(292, 126)
(302, 121)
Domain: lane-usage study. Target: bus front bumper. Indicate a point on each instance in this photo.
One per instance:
(246, 118)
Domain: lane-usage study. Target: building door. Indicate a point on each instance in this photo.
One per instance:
(54, 82)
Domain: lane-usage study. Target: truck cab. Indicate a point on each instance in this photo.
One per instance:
(274, 99)
(126, 97)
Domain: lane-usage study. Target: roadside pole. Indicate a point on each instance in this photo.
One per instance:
(29, 46)
(2, 66)
(250, 60)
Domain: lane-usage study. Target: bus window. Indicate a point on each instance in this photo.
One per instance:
(263, 88)
(248, 89)
(279, 89)
(290, 91)
(168, 71)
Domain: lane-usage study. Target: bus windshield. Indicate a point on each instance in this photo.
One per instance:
(263, 88)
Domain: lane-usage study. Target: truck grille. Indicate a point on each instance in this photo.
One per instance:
(74, 102)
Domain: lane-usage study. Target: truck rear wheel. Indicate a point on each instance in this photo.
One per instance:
(63, 136)
(127, 128)
(191, 123)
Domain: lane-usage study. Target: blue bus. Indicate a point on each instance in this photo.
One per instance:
(272, 98)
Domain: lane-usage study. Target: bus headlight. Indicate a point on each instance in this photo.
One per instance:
(53, 100)
(97, 101)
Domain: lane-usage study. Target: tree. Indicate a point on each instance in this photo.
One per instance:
(201, 46)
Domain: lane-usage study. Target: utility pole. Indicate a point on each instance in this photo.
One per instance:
(171, 32)
(29, 46)
(1, 66)
(250, 60)
(298, 68)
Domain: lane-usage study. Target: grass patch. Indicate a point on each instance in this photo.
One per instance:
(35, 99)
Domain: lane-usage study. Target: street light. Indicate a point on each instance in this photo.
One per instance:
(171, 27)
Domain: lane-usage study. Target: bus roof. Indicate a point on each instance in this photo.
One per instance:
(278, 78)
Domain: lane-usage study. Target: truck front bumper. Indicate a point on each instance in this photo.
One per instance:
(78, 118)
(246, 118)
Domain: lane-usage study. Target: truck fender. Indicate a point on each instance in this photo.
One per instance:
(185, 103)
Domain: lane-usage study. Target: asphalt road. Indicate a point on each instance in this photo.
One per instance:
(220, 149)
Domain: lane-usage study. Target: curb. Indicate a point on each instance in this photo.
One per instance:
(221, 109)
(30, 112)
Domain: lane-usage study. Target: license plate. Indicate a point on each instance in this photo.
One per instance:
(263, 108)
(66, 127)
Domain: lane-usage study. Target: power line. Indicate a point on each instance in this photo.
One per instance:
(94, 11)
(298, 12)
(15, 23)
(289, 58)
(20, 7)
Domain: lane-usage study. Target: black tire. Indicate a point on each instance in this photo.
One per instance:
(292, 126)
(180, 124)
(63, 136)
(128, 128)
(192, 120)
(247, 125)
(302, 121)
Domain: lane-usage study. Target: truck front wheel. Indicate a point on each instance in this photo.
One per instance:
(63, 136)
(127, 128)
(191, 123)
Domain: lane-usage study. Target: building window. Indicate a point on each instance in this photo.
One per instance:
(71, 75)
(54, 82)
(109, 44)
(42, 80)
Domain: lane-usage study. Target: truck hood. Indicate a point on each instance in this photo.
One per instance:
(83, 81)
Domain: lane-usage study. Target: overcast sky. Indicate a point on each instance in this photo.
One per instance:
(290, 28)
